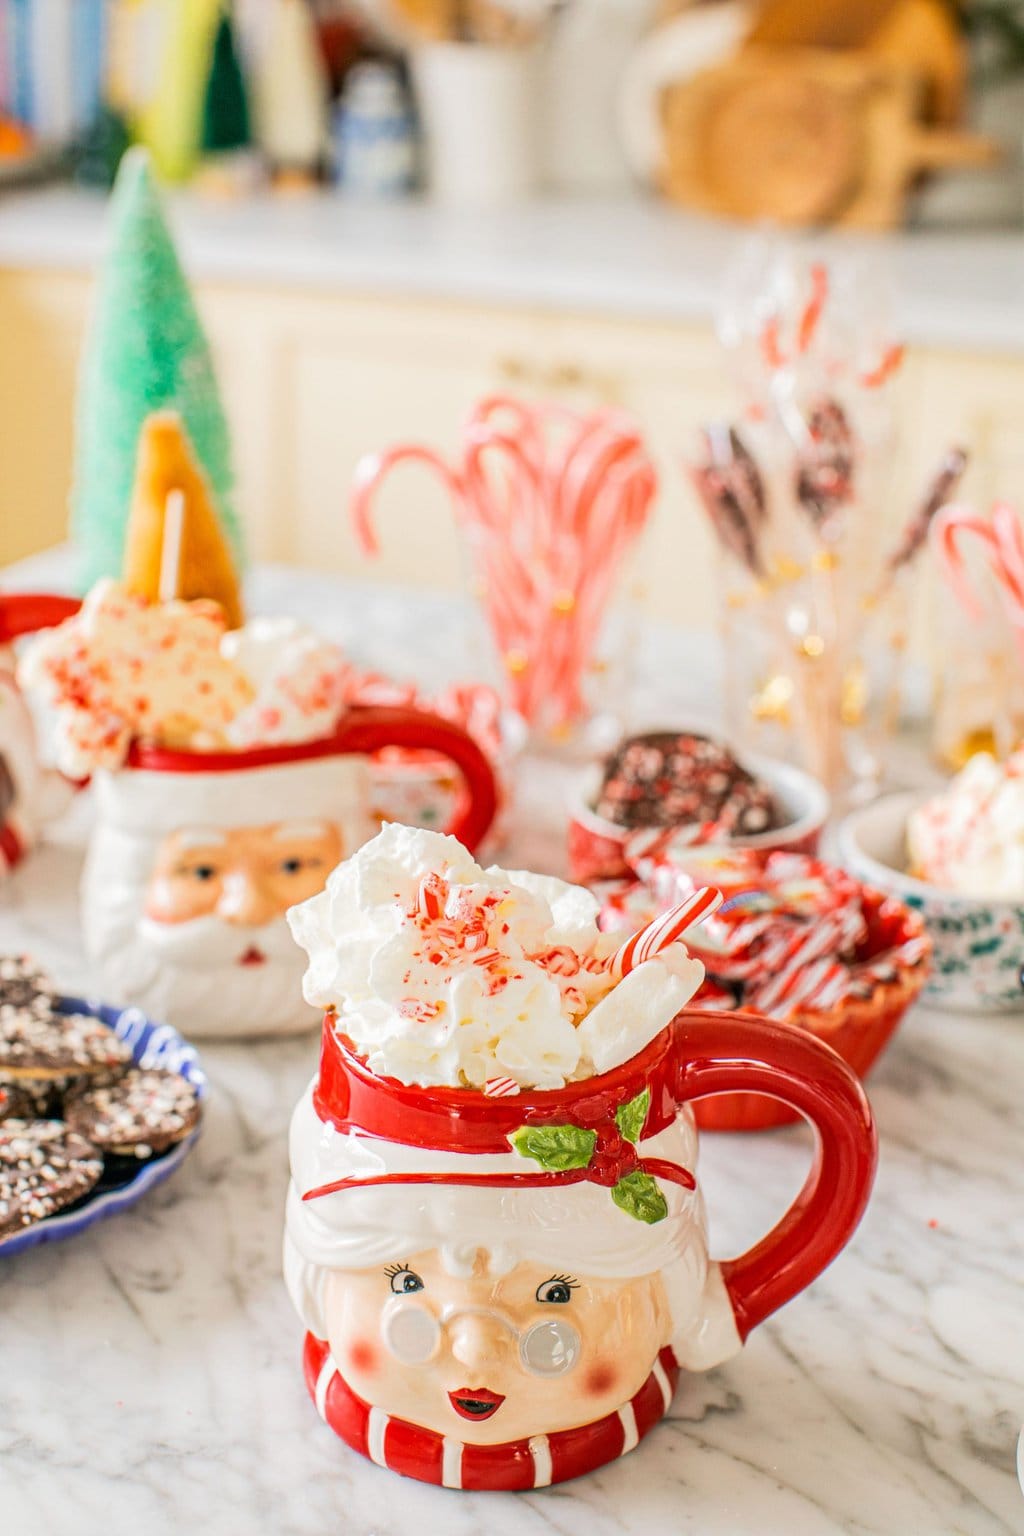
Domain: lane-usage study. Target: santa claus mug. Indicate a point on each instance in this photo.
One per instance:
(30, 794)
(195, 857)
(501, 1292)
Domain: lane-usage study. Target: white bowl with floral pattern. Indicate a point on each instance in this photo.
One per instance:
(978, 945)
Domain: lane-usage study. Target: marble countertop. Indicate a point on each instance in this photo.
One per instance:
(150, 1367)
(623, 256)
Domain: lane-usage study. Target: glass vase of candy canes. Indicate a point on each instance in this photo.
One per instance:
(551, 503)
(814, 622)
(979, 694)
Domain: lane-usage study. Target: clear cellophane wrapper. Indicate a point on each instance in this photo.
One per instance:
(814, 659)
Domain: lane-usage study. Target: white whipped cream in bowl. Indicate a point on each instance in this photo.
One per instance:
(969, 838)
(443, 974)
(957, 857)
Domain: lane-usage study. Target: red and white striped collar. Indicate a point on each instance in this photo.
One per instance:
(515, 1465)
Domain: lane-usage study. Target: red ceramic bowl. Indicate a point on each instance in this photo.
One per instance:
(596, 844)
(858, 1029)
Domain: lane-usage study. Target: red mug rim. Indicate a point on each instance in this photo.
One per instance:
(156, 759)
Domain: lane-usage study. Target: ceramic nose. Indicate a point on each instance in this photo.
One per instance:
(245, 901)
(478, 1340)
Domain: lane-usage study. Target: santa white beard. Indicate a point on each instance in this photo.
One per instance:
(190, 974)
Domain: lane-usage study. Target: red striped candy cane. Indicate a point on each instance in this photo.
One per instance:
(1003, 541)
(501, 1087)
(431, 896)
(663, 931)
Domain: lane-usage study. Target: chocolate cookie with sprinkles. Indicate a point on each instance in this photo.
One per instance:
(39, 1045)
(44, 1167)
(141, 1114)
(23, 984)
(16, 1104)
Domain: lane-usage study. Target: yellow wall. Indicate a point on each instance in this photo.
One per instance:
(41, 323)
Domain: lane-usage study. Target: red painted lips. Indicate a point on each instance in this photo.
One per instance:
(475, 1402)
(252, 956)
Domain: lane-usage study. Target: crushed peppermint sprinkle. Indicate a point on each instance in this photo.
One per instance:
(501, 1088)
(145, 1111)
(437, 971)
(44, 1166)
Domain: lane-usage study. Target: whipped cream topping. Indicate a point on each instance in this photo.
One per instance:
(970, 838)
(124, 669)
(442, 973)
(298, 681)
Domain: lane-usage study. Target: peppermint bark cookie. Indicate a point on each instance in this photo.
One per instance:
(39, 1045)
(140, 1114)
(23, 984)
(16, 1104)
(44, 1166)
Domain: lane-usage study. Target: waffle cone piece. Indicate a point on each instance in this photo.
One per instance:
(166, 465)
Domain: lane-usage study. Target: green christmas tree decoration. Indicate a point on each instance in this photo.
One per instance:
(225, 105)
(146, 352)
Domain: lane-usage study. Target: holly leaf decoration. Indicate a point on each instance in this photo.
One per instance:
(556, 1147)
(639, 1196)
(632, 1117)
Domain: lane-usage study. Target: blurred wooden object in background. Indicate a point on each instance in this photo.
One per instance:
(827, 114)
(916, 34)
(471, 21)
(433, 20)
(805, 136)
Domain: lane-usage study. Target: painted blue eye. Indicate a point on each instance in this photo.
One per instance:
(557, 1290)
(404, 1281)
(204, 871)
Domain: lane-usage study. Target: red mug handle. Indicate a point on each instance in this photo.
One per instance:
(367, 730)
(740, 1052)
(363, 730)
(23, 613)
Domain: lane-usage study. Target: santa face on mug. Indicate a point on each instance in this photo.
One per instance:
(245, 878)
(485, 1356)
(195, 922)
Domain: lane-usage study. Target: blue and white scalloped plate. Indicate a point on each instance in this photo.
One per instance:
(122, 1183)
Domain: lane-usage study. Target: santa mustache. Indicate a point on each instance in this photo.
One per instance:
(211, 943)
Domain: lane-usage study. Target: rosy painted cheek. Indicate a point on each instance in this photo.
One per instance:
(600, 1379)
(363, 1356)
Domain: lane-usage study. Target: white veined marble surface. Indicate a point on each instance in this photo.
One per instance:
(149, 1369)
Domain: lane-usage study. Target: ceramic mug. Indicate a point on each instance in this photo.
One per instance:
(977, 942)
(597, 846)
(30, 794)
(195, 857)
(501, 1292)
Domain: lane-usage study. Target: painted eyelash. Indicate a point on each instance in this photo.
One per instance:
(568, 1280)
(391, 1270)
